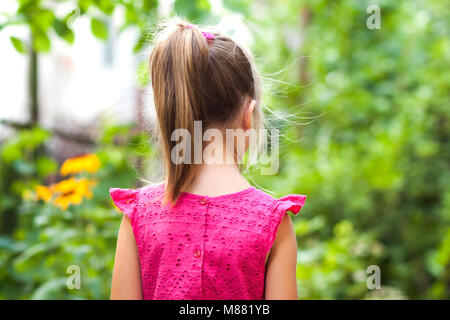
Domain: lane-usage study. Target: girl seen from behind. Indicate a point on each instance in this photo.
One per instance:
(204, 232)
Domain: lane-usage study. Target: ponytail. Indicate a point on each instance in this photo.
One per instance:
(195, 76)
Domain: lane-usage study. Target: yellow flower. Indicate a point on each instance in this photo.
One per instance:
(84, 187)
(71, 190)
(89, 163)
(63, 201)
(43, 193)
(66, 192)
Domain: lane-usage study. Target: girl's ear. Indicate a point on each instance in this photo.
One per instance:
(248, 114)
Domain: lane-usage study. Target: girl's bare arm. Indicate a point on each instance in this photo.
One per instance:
(126, 281)
(281, 281)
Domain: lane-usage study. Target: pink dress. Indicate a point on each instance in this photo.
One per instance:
(204, 247)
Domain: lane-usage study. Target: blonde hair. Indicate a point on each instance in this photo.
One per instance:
(197, 79)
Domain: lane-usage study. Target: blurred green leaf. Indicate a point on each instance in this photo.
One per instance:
(41, 42)
(42, 19)
(19, 44)
(10, 152)
(192, 9)
(99, 28)
(106, 6)
(63, 31)
(46, 166)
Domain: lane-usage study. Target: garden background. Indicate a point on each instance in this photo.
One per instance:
(366, 137)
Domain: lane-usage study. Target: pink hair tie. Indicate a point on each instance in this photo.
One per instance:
(208, 36)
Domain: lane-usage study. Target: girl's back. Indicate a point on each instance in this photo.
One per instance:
(204, 247)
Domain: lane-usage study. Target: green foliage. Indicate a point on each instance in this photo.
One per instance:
(40, 18)
(99, 28)
(18, 44)
(63, 30)
(193, 10)
(35, 257)
(376, 153)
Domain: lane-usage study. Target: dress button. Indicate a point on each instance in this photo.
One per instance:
(203, 201)
(197, 253)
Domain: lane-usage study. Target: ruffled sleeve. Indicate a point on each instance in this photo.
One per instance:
(292, 203)
(125, 200)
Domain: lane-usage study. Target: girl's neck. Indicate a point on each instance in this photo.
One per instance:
(217, 179)
(216, 176)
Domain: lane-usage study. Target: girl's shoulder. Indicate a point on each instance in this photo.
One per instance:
(291, 202)
(129, 200)
(274, 209)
